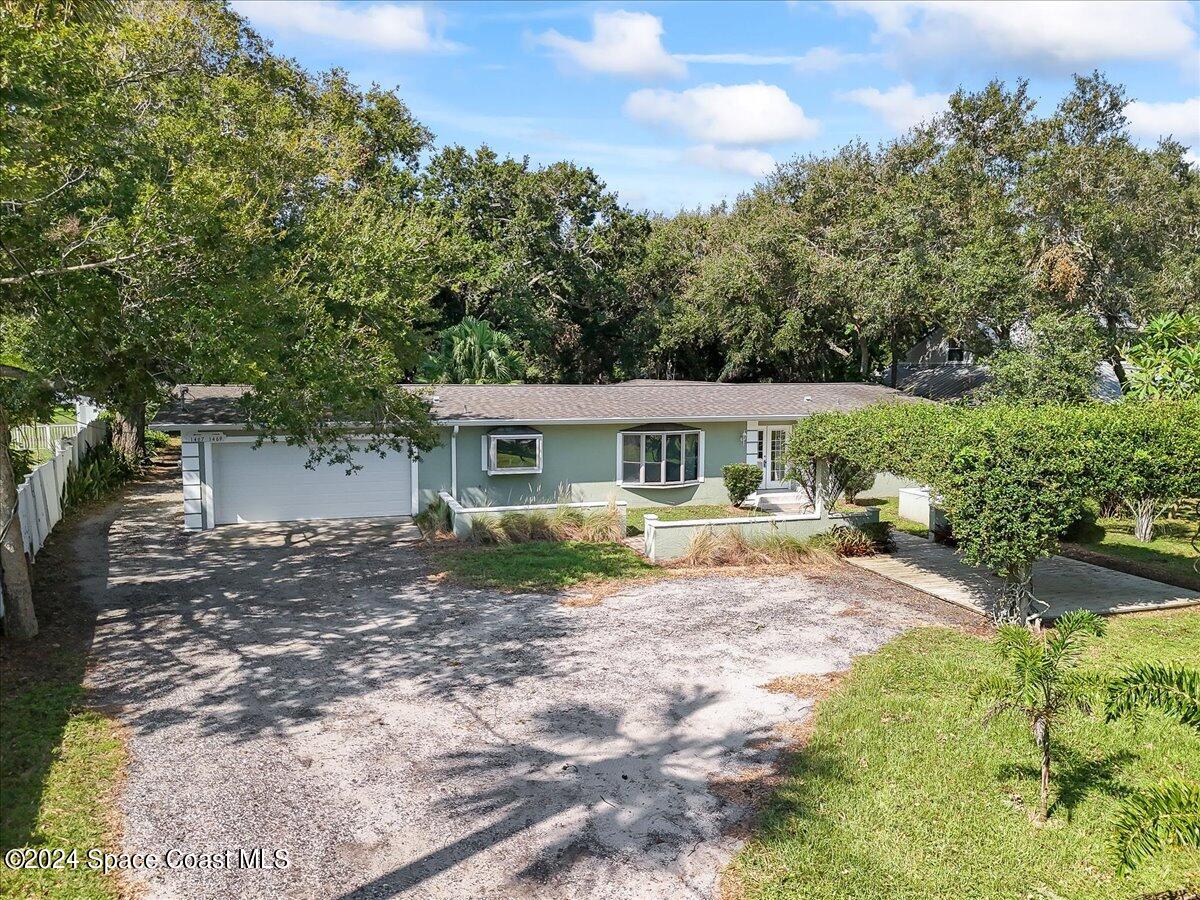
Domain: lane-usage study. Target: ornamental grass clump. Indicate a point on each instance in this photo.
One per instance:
(732, 548)
(564, 523)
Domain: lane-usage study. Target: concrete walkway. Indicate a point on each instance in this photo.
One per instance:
(1065, 584)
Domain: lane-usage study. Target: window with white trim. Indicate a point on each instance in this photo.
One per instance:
(661, 458)
(514, 452)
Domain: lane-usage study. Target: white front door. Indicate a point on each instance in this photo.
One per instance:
(774, 451)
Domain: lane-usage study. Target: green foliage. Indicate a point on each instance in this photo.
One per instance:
(542, 565)
(1155, 819)
(156, 441)
(741, 480)
(1011, 478)
(1148, 455)
(1173, 690)
(435, 519)
(22, 462)
(1166, 359)
(860, 540)
(472, 352)
(1040, 681)
(1167, 814)
(1055, 364)
(102, 471)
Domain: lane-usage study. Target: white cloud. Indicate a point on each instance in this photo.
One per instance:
(900, 107)
(403, 27)
(1055, 33)
(725, 114)
(744, 161)
(623, 43)
(817, 59)
(1150, 121)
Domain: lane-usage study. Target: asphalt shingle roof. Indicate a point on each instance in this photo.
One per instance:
(641, 400)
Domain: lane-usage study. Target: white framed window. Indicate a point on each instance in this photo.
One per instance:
(661, 458)
(514, 452)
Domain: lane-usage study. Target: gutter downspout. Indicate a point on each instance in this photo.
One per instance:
(454, 463)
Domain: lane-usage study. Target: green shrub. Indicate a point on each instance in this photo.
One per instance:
(880, 534)
(741, 480)
(101, 472)
(487, 529)
(156, 441)
(845, 540)
(435, 519)
(22, 462)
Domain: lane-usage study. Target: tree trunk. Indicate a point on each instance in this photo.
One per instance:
(129, 433)
(864, 356)
(1143, 511)
(895, 366)
(1016, 600)
(1041, 733)
(19, 617)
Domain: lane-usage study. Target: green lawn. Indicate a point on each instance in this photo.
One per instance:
(541, 565)
(1171, 548)
(636, 519)
(902, 793)
(59, 769)
(889, 511)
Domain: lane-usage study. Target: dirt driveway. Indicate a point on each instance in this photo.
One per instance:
(309, 689)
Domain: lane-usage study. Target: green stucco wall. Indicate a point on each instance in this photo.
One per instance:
(579, 460)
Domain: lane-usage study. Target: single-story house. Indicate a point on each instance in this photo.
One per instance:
(645, 442)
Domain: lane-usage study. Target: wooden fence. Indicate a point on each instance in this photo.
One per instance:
(40, 495)
(43, 439)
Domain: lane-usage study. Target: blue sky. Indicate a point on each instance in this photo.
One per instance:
(682, 104)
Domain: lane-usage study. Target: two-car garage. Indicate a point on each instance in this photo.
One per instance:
(242, 482)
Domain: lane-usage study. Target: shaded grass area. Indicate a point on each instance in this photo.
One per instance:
(902, 793)
(889, 511)
(636, 518)
(1171, 548)
(60, 759)
(60, 766)
(541, 565)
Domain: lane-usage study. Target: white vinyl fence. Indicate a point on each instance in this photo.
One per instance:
(40, 495)
(43, 439)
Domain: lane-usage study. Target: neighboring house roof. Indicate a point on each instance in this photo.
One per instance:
(945, 382)
(635, 401)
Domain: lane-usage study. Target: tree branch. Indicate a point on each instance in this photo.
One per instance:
(100, 264)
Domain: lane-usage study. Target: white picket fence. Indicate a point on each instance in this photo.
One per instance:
(40, 495)
(43, 439)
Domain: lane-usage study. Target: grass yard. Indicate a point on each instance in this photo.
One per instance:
(59, 770)
(636, 519)
(541, 565)
(1171, 549)
(902, 793)
(889, 511)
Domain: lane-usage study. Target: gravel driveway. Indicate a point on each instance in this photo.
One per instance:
(311, 689)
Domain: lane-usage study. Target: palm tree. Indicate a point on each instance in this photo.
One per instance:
(1041, 682)
(1167, 814)
(472, 352)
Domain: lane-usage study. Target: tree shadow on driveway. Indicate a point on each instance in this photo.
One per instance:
(587, 793)
(272, 625)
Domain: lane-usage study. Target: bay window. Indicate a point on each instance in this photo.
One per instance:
(661, 456)
(513, 451)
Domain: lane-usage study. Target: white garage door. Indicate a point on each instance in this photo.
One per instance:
(271, 484)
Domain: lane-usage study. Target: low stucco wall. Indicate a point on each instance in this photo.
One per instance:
(886, 486)
(462, 516)
(670, 540)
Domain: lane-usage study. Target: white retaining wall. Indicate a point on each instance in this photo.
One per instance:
(40, 495)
